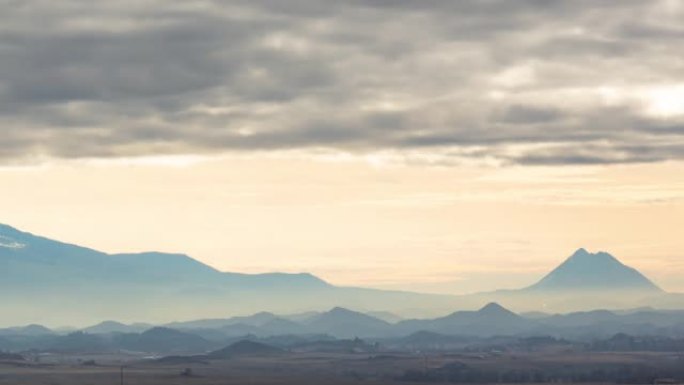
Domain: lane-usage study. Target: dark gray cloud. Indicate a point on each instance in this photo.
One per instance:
(530, 81)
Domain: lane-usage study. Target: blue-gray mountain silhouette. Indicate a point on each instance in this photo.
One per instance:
(161, 339)
(65, 284)
(492, 319)
(116, 327)
(246, 348)
(345, 323)
(585, 271)
(23, 253)
(61, 283)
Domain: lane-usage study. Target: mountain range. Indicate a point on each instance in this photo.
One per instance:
(339, 329)
(59, 283)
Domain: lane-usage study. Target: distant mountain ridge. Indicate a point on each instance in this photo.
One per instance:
(347, 323)
(78, 285)
(491, 319)
(585, 271)
(339, 330)
(28, 251)
(585, 281)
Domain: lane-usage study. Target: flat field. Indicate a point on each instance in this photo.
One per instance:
(300, 368)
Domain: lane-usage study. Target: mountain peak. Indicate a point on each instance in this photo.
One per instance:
(580, 252)
(495, 310)
(340, 311)
(492, 307)
(583, 254)
(344, 323)
(584, 271)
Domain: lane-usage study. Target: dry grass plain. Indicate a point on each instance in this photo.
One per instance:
(291, 369)
(331, 369)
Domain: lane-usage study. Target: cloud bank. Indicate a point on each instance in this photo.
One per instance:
(529, 81)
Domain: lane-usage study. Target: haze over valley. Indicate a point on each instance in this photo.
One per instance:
(79, 286)
(295, 192)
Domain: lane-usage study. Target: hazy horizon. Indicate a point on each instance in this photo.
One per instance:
(436, 147)
(341, 192)
(425, 228)
(438, 287)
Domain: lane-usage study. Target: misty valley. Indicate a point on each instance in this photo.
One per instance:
(491, 345)
(574, 325)
(355, 192)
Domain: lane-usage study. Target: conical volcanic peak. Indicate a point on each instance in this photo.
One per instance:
(494, 309)
(585, 271)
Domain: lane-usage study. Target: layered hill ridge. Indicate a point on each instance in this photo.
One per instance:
(492, 319)
(245, 348)
(347, 323)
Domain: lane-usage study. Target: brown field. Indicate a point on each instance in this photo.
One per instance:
(315, 368)
(291, 369)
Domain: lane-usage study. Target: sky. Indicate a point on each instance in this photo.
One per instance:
(424, 145)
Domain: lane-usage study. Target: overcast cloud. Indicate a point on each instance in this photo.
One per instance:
(525, 81)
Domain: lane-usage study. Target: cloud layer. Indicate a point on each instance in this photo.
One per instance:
(529, 81)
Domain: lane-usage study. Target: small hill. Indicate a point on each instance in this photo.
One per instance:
(492, 319)
(584, 319)
(494, 311)
(345, 323)
(80, 342)
(245, 348)
(257, 319)
(281, 326)
(107, 327)
(240, 329)
(163, 340)
(30, 330)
